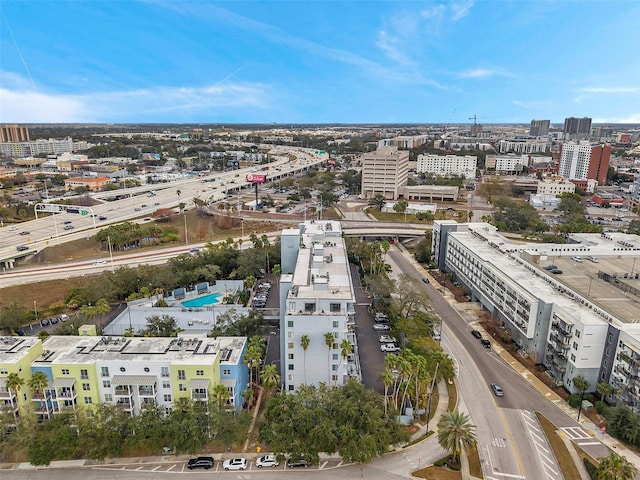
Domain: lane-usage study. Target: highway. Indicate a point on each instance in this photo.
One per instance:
(58, 228)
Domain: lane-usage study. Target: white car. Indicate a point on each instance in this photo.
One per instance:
(99, 262)
(238, 463)
(389, 347)
(381, 327)
(386, 339)
(13, 228)
(267, 461)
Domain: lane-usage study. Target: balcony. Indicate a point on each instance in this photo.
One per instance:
(124, 405)
(7, 395)
(199, 396)
(147, 404)
(566, 346)
(122, 392)
(146, 392)
(68, 394)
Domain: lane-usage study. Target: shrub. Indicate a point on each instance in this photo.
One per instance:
(442, 462)
(591, 469)
(601, 408)
(574, 401)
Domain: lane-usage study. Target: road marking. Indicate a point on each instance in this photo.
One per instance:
(156, 468)
(576, 433)
(588, 443)
(509, 475)
(171, 468)
(323, 465)
(498, 442)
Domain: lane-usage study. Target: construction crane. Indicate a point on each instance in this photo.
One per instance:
(474, 129)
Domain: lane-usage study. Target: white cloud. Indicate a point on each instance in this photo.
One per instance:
(630, 118)
(24, 105)
(461, 9)
(609, 90)
(389, 46)
(484, 73)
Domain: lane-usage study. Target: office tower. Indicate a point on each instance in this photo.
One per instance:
(577, 126)
(582, 161)
(384, 172)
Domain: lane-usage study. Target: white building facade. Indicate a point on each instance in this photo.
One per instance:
(317, 303)
(574, 160)
(550, 187)
(384, 172)
(447, 165)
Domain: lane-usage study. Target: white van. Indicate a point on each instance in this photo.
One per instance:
(577, 259)
(593, 259)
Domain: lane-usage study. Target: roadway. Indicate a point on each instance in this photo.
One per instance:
(58, 228)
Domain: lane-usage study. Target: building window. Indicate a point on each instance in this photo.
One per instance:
(65, 371)
(289, 334)
(182, 387)
(108, 397)
(166, 385)
(4, 371)
(334, 307)
(104, 371)
(335, 324)
(573, 357)
(290, 356)
(290, 345)
(335, 345)
(226, 371)
(106, 384)
(291, 388)
(335, 356)
(578, 333)
(182, 375)
(575, 345)
(291, 366)
(87, 401)
(84, 374)
(164, 371)
(86, 387)
(334, 378)
(167, 397)
(200, 373)
(334, 367)
(290, 324)
(309, 307)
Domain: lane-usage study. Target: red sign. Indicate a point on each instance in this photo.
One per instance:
(253, 178)
(331, 162)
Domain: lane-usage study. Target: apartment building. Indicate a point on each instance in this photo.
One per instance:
(523, 146)
(582, 161)
(317, 301)
(384, 172)
(36, 147)
(447, 165)
(16, 356)
(14, 133)
(581, 320)
(132, 373)
(555, 187)
(539, 128)
(577, 126)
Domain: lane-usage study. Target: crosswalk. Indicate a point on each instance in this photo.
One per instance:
(579, 436)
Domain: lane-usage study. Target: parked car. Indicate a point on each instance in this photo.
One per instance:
(44, 322)
(267, 461)
(67, 222)
(53, 320)
(237, 463)
(425, 280)
(593, 259)
(476, 333)
(550, 267)
(485, 343)
(301, 462)
(497, 390)
(389, 348)
(386, 339)
(381, 327)
(381, 319)
(200, 462)
(64, 317)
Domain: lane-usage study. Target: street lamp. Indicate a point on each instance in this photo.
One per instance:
(35, 309)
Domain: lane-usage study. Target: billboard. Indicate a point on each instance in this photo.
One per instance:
(233, 164)
(253, 178)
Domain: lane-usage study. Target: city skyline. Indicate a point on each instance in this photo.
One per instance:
(318, 62)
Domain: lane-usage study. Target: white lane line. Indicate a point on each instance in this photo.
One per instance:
(171, 468)
(587, 443)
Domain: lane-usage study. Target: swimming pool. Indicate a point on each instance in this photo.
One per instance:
(205, 300)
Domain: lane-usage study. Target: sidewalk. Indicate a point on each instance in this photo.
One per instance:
(443, 402)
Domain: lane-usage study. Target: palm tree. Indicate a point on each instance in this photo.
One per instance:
(38, 383)
(102, 307)
(346, 348)
(269, 376)
(456, 433)
(220, 395)
(304, 343)
(253, 357)
(248, 396)
(616, 467)
(329, 339)
(604, 389)
(387, 381)
(581, 384)
(14, 382)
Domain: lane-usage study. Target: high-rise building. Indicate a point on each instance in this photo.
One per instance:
(448, 165)
(539, 128)
(384, 172)
(317, 307)
(13, 133)
(577, 126)
(582, 161)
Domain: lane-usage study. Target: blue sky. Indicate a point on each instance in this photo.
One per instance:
(326, 61)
